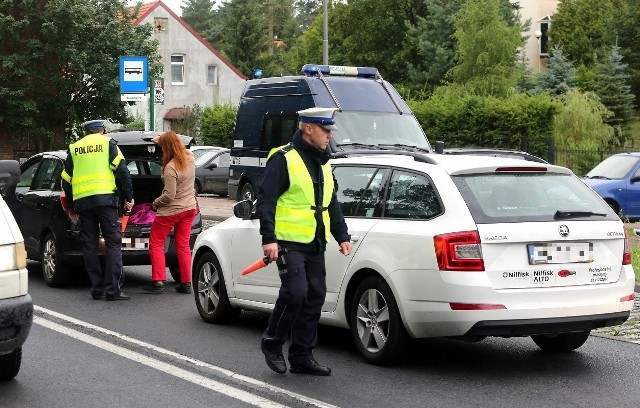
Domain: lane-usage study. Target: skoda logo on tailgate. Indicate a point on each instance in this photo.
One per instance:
(564, 231)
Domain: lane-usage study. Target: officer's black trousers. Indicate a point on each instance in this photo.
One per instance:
(297, 310)
(92, 221)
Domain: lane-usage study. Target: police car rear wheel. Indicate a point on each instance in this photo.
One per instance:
(560, 342)
(376, 325)
(210, 292)
(53, 271)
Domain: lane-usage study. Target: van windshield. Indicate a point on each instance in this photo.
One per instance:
(375, 128)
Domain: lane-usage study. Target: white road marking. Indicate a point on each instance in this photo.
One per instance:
(109, 347)
(159, 365)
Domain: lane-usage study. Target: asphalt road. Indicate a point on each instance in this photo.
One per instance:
(155, 351)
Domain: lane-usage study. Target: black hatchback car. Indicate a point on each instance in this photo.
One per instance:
(51, 236)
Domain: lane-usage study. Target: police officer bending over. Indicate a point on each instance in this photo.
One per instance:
(298, 209)
(91, 169)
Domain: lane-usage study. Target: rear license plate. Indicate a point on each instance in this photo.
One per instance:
(560, 252)
(135, 243)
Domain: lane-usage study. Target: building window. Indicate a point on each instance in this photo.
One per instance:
(212, 75)
(177, 69)
(544, 26)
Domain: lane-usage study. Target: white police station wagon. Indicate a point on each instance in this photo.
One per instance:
(444, 245)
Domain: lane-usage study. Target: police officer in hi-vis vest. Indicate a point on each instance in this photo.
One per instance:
(298, 210)
(93, 166)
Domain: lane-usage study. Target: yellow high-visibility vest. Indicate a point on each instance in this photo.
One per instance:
(92, 172)
(295, 211)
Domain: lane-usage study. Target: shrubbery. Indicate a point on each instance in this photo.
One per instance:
(462, 119)
(216, 124)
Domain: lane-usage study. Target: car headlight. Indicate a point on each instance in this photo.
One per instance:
(13, 257)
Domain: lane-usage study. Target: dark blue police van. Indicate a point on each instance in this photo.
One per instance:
(371, 115)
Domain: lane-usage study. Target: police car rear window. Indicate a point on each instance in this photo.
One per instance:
(530, 197)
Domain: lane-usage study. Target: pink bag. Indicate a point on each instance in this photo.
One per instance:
(142, 214)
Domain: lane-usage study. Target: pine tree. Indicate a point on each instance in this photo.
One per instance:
(199, 15)
(612, 87)
(558, 78)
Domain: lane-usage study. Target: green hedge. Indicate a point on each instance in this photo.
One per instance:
(463, 120)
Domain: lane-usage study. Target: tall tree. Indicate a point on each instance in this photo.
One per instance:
(585, 28)
(59, 64)
(307, 11)
(486, 49)
(244, 33)
(374, 33)
(199, 15)
(629, 42)
(615, 93)
(433, 37)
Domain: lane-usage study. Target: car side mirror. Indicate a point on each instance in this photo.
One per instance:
(243, 209)
(635, 179)
(212, 166)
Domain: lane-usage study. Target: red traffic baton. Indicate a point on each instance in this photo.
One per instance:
(260, 263)
(124, 221)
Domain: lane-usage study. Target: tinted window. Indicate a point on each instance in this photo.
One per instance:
(28, 173)
(48, 175)
(358, 189)
(278, 130)
(523, 197)
(411, 196)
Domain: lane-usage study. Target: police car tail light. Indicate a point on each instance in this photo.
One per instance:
(628, 298)
(459, 251)
(626, 256)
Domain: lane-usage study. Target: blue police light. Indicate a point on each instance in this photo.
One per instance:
(257, 73)
(362, 72)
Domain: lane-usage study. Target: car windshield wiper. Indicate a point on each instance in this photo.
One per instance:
(560, 214)
(405, 146)
(358, 145)
(597, 177)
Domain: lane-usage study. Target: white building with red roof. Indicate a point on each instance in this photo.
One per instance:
(194, 71)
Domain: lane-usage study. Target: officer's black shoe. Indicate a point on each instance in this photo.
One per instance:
(153, 287)
(310, 367)
(184, 288)
(275, 361)
(119, 296)
(97, 296)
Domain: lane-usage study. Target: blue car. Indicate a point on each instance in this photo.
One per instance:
(617, 180)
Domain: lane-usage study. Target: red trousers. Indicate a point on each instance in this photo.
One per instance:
(181, 224)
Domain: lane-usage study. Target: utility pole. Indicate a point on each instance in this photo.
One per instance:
(325, 40)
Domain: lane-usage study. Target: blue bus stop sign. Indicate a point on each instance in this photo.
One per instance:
(134, 75)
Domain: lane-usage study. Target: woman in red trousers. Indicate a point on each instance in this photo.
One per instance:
(176, 208)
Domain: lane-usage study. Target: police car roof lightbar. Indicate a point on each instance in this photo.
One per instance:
(362, 72)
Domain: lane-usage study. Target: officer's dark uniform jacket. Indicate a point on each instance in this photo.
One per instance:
(276, 182)
(116, 165)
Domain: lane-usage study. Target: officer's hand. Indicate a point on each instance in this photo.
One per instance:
(271, 250)
(345, 248)
(128, 205)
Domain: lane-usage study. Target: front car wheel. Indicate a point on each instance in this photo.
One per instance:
(210, 291)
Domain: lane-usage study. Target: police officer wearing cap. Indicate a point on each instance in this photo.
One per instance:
(93, 168)
(298, 210)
